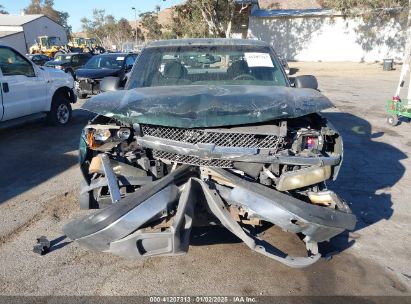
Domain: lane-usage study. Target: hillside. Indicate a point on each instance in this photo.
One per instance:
(164, 16)
(288, 4)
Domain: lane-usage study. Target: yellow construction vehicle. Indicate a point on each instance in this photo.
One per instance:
(91, 42)
(94, 46)
(46, 45)
(85, 45)
(78, 42)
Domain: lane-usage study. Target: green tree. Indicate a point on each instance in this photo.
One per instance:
(107, 30)
(149, 22)
(46, 7)
(140, 34)
(97, 26)
(380, 9)
(125, 29)
(187, 22)
(202, 18)
(2, 11)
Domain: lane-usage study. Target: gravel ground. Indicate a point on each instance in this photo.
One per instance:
(39, 184)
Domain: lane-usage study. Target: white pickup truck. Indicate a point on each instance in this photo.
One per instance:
(27, 89)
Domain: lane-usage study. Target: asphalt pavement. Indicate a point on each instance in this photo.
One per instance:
(39, 184)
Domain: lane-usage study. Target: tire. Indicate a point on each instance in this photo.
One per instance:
(392, 120)
(60, 112)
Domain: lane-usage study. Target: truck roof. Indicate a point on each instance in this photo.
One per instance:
(206, 41)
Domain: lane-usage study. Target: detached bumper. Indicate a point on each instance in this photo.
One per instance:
(87, 86)
(130, 227)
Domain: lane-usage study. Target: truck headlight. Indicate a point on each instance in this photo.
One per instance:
(303, 178)
(98, 136)
(124, 133)
(101, 134)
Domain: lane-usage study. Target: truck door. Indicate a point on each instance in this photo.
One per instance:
(23, 91)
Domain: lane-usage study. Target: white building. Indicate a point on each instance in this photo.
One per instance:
(325, 35)
(21, 31)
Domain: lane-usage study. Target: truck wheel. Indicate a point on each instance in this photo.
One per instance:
(60, 113)
(392, 120)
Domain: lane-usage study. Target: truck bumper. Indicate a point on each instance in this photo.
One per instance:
(126, 227)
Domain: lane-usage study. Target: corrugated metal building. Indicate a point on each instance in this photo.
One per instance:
(21, 31)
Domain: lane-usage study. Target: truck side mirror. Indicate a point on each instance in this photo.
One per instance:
(109, 84)
(306, 81)
(129, 67)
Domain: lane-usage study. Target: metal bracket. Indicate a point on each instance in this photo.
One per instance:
(111, 178)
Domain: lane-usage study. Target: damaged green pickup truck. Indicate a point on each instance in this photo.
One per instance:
(208, 131)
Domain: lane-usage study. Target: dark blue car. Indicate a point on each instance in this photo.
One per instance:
(111, 64)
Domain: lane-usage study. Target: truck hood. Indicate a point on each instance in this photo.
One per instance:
(97, 73)
(197, 106)
(54, 63)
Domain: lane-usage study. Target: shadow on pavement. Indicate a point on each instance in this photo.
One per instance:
(34, 152)
(369, 170)
(58, 243)
(203, 236)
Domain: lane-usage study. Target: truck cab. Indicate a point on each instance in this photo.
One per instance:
(26, 89)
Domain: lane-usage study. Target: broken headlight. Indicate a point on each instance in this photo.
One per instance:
(312, 142)
(101, 135)
(104, 137)
(124, 133)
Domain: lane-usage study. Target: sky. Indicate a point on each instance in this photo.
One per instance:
(84, 8)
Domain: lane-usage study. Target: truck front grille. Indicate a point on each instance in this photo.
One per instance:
(192, 160)
(223, 139)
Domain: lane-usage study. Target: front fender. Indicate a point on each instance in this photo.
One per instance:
(56, 80)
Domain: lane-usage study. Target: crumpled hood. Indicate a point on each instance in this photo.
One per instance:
(97, 73)
(196, 106)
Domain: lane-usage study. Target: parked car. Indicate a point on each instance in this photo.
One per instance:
(202, 144)
(70, 62)
(38, 59)
(27, 89)
(88, 78)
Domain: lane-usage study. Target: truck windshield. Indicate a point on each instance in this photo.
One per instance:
(62, 57)
(207, 65)
(105, 62)
(54, 41)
